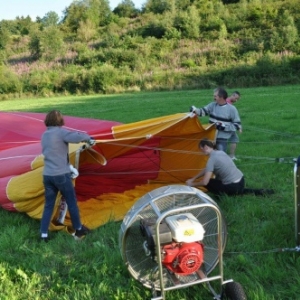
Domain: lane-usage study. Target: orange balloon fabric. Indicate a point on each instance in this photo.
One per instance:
(127, 161)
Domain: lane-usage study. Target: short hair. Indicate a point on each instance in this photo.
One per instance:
(206, 142)
(54, 118)
(236, 92)
(222, 93)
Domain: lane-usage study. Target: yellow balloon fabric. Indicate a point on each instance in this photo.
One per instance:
(164, 150)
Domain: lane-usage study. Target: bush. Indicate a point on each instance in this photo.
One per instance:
(120, 57)
(9, 82)
(188, 63)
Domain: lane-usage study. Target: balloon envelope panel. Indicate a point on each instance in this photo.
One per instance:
(139, 157)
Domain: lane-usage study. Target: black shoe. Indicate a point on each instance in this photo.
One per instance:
(81, 233)
(44, 239)
(266, 192)
(259, 192)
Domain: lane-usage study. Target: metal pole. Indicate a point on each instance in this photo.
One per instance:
(297, 200)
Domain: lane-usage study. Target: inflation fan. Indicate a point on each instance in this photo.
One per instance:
(173, 237)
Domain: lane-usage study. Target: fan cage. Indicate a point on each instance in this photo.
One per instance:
(158, 204)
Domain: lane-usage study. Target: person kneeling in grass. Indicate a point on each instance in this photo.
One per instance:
(228, 178)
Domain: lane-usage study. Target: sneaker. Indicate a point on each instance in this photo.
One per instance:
(234, 158)
(81, 233)
(70, 230)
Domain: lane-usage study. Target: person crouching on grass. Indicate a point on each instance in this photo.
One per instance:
(57, 173)
(228, 179)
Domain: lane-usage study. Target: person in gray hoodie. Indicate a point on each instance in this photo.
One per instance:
(57, 174)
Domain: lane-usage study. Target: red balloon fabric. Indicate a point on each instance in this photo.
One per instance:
(127, 161)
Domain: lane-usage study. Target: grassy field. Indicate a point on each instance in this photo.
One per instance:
(258, 227)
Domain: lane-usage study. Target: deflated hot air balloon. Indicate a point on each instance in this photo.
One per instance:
(128, 161)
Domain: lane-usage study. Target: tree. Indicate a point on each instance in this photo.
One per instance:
(230, 1)
(126, 9)
(34, 44)
(4, 37)
(205, 7)
(86, 31)
(183, 4)
(51, 42)
(73, 15)
(97, 11)
(187, 22)
(157, 6)
(46, 44)
(285, 36)
(50, 19)
(24, 25)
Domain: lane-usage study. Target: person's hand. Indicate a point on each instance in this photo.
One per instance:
(189, 182)
(91, 142)
(238, 127)
(195, 110)
(220, 126)
(74, 172)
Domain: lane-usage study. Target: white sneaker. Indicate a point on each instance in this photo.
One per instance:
(234, 158)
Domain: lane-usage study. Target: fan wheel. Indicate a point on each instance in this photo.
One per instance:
(152, 205)
(233, 291)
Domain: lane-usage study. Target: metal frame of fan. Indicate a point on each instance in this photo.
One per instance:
(297, 199)
(158, 206)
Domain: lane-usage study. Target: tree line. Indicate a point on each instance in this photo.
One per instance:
(167, 44)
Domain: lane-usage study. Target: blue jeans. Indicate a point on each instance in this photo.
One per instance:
(221, 144)
(53, 185)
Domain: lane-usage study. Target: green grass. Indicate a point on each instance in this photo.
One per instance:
(258, 227)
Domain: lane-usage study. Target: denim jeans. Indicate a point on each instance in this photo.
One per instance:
(53, 185)
(221, 144)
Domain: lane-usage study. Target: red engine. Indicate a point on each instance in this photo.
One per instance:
(180, 239)
(183, 258)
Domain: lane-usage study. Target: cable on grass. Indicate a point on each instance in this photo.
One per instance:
(296, 249)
